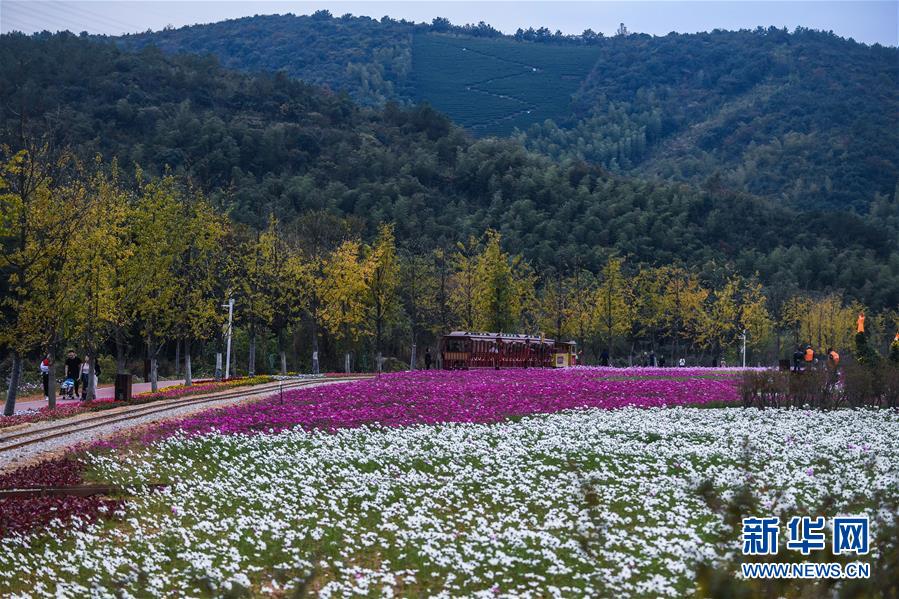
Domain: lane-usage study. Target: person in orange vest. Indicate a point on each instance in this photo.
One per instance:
(861, 323)
(833, 358)
(809, 356)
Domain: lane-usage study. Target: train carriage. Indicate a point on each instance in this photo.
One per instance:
(461, 350)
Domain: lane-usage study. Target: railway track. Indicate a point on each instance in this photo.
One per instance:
(64, 428)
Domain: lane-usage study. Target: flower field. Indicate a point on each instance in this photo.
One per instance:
(574, 483)
(430, 397)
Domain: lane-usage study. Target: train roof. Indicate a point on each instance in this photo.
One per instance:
(504, 336)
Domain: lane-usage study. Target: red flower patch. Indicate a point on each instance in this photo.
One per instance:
(19, 515)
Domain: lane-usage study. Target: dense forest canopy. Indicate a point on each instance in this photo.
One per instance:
(264, 144)
(805, 118)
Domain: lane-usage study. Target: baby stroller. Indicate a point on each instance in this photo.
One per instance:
(67, 390)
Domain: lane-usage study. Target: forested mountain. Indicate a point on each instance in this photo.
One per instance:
(269, 144)
(805, 118)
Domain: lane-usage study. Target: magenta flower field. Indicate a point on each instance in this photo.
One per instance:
(430, 397)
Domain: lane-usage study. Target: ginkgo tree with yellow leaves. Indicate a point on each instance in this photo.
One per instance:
(36, 229)
(614, 312)
(737, 306)
(196, 314)
(158, 244)
(825, 321)
(343, 290)
(381, 276)
(503, 287)
(100, 249)
(682, 306)
(149, 261)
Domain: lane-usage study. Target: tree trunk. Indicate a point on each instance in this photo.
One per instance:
(346, 362)
(314, 345)
(412, 361)
(283, 362)
(51, 376)
(188, 370)
(10, 408)
(251, 366)
(154, 374)
(378, 325)
(91, 392)
(120, 357)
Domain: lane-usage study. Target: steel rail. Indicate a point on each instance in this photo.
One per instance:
(68, 428)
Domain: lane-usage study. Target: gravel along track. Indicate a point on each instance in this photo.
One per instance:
(20, 447)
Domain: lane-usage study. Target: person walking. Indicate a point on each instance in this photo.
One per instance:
(797, 359)
(45, 375)
(73, 368)
(85, 377)
(428, 358)
(809, 357)
(85, 373)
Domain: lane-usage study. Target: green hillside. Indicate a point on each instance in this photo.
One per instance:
(367, 58)
(270, 144)
(804, 118)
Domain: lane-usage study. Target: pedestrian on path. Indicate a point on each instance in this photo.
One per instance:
(85, 376)
(428, 358)
(73, 368)
(85, 373)
(45, 375)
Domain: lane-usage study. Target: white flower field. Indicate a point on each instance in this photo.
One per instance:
(579, 503)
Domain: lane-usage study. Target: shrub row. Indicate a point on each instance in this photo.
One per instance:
(853, 385)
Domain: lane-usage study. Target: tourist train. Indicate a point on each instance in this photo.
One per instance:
(461, 350)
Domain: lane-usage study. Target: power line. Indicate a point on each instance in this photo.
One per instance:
(39, 21)
(71, 17)
(82, 12)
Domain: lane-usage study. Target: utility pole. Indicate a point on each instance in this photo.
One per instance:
(230, 306)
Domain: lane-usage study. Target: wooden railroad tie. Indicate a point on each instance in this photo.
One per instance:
(76, 491)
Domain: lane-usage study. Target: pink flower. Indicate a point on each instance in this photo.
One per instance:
(430, 397)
